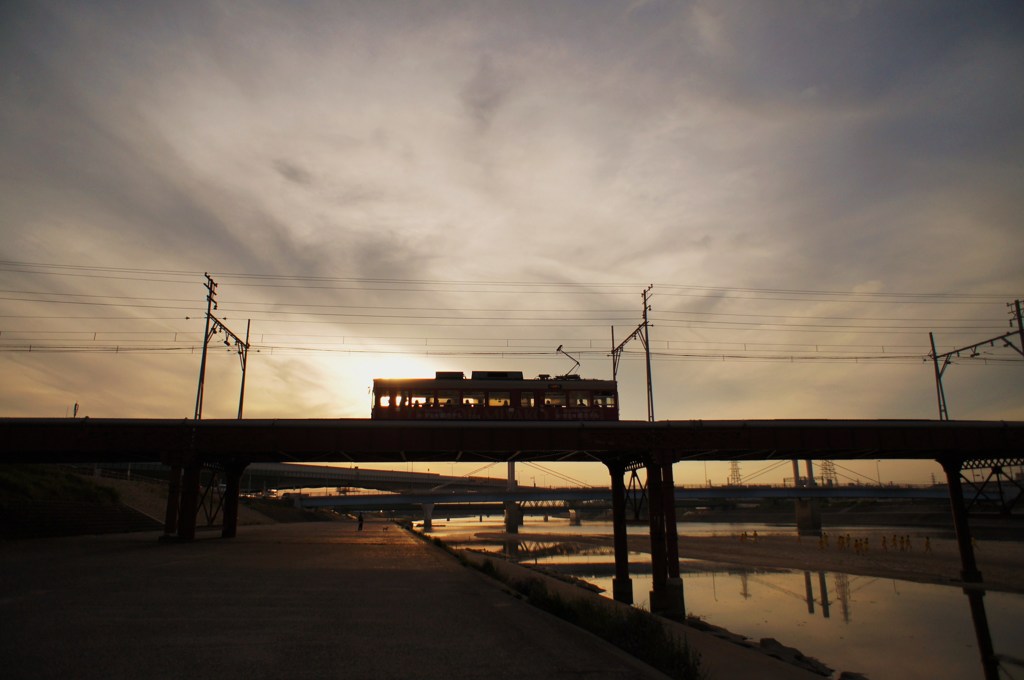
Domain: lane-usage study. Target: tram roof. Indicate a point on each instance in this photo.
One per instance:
(560, 382)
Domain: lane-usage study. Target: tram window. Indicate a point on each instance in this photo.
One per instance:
(403, 398)
(554, 398)
(579, 398)
(422, 398)
(498, 399)
(473, 398)
(385, 401)
(604, 399)
(448, 397)
(526, 400)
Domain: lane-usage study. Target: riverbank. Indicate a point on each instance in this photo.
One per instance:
(307, 600)
(721, 654)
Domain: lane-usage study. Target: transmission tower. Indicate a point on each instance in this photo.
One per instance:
(735, 479)
(828, 473)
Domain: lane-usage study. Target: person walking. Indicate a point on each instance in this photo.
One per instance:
(360, 521)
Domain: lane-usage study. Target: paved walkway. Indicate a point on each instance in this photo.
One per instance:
(317, 600)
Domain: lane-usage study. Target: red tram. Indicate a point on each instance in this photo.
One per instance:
(494, 395)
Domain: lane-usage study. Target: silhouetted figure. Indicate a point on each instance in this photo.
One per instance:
(360, 521)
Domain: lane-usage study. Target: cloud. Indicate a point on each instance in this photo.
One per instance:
(800, 146)
(293, 173)
(484, 93)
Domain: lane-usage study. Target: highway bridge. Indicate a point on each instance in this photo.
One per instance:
(266, 476)
(591, 494)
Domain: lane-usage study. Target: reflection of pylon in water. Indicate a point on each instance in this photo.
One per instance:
(828, 473)
(843, 595)
(744, 586)
(734, 473)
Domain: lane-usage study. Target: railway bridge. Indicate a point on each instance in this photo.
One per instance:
(230, 445)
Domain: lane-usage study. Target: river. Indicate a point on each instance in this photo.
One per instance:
(883, 628)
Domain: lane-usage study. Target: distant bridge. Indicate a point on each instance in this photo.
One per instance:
(580, 495)
(295, 476)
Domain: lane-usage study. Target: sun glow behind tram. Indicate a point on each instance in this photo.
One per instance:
(494, 395)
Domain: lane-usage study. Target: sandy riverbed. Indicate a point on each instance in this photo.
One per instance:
(1001, 562)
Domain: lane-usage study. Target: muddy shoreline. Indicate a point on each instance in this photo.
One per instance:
(938, 561)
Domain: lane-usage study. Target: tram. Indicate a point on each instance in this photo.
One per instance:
(494, 395)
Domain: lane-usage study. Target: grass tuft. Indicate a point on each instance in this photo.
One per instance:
(21, 483)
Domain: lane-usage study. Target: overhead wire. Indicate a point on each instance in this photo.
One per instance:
(506, 317)
(27, 267)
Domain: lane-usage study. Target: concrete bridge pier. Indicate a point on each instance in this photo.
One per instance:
(183, 493)
(513, 517)
(574, 518)
(232, 483)
(675, 605)
(622, 585)
(667, 586)
(513, 513)
(189, 505)
(659, 569)
(182, 496)
(173, 501)
(428, 516)
(808, 516)
(808, 510)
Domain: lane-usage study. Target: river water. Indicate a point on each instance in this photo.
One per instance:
(883, 628)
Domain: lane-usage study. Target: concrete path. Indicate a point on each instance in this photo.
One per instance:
(318, 600)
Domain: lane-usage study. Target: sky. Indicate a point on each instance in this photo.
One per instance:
(387, 189)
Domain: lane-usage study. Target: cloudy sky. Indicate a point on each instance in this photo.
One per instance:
(388, 189)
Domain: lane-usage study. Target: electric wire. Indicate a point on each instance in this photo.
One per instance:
(488, 316)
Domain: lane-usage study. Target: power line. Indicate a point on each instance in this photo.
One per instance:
(948, 297)
(749, 325)
(463, 352)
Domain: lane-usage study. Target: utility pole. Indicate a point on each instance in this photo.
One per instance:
(214, 326)
(211, 304)
(646, 339)
(947, 357)
(643, 333)
(243, 356)
(940, 393)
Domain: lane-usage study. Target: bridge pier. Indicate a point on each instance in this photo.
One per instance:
(173, 500)
(970, 575)
(189, 501)
(428, 516)
(659, 566)
(513, 517)
(667, 593)
(675, 606)
(667, 586)
(232, 483)
(808, 510)
(622, 585)
(513, 513)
